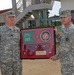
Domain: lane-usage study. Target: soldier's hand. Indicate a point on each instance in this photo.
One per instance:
(52, 58)
(56, 30)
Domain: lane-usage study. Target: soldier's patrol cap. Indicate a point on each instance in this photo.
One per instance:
(10, 13)
(65, 13)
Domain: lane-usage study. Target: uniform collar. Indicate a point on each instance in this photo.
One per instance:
(70, 25)
(8, 28)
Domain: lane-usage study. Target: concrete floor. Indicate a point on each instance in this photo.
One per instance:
(41, 67)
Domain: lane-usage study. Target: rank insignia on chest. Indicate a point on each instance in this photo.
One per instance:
(67, 39)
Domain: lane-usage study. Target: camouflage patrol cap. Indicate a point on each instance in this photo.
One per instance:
(10, 13)
(65, 13)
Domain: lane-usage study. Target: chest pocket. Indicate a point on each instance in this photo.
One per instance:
(9, 36)
(15, 36)
(5, 37)
(65, 40)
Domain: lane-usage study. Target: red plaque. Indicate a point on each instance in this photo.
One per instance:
(37, 43)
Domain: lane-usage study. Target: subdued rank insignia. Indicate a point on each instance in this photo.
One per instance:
(67, 39)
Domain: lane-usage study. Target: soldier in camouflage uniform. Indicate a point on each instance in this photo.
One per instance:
(10, 61)
(66, 50)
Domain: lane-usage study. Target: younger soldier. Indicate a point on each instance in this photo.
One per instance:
(10, 61)
(66, 49)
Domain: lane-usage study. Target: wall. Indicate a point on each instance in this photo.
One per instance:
(1, 18)
(67, 4)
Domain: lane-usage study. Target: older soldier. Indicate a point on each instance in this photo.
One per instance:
(10, 61)
(66, 50)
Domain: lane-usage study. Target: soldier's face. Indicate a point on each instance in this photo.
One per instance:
(66, 20)
(10, 20)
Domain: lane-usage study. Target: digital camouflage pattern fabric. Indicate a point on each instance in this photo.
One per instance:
(66, 50)
(10, 51)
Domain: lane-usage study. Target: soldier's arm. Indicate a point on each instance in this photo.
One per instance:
(0, 34)
(62, 51)
(58, 36)
(66, 48)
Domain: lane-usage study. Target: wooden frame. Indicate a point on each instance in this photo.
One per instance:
(37, 43)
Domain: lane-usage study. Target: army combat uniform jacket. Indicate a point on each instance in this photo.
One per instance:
(66, 50)
(10, 51)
